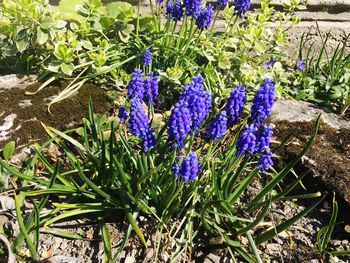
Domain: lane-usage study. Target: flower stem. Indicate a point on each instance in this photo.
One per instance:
(213, 24)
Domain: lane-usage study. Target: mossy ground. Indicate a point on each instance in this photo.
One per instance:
(63, 114)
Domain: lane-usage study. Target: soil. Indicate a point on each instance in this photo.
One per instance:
(329, 158)
(27, 125)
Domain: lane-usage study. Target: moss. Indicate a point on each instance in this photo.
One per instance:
(65, 113)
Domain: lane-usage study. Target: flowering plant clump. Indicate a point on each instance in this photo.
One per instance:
(190, 165)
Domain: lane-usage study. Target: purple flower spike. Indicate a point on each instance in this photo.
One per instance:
(192, 6)
(263, 138)
(247, 140)
(204, 17)
(179, 124)
(139, 125)
(122, 114)
(147, 58)
(150, 85)
(135, 87)
(265, 161)
(217, 128)
(301, 65)
(262, 103)
(199, 101)
(241, 7)
(189, 167)
(175, 10)
(235, 104)
(221, 3)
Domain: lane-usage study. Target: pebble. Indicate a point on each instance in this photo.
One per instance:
(211, 258)
(129, 259)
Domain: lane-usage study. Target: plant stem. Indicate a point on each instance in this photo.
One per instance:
(213, 24)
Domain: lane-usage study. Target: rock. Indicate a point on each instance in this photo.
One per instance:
(211, 258)
(7, 203)
(129, 260)
(16, 81)
(329, 157)
(61, 259)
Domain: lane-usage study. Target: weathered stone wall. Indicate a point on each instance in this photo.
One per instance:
(321, 16)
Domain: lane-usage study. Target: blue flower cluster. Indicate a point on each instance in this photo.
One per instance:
(217, 128)
(265, 161)
(192, 6)
(263, 138)
(147, 58)
(139, 124)
(246, 141)
(122, 114)
(268, 64)
(179, 124)
(235, 104)
(262, 102)
(253, 138)
(146, 90)
(135, 87)
(150, 86)
(301, 65)
(221, 3)
(199, 101)
(175, 10)
(241, 7)
(188, 168)
(204, 17)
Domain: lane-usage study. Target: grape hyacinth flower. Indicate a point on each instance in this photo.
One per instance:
(268, 64)
(263, 138)
(179, 124)
(135, 87)
(217, 128)
(235, 104)
(175, 169)
(189, 167)
(147, 59)
(199, 101)
(139, 125)
(246, 141)
(150, 85)
(301, 65)
(122, 114)
(204, 17)
(175, 10)
(192, 6)
(241, 7)
(262, 103)
(221, 3)
(265, 161)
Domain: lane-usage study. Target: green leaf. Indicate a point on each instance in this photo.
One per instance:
(41, 36)
(278, 229)
(121, 10)
(48, 22)
(9, 149)
(67, 68)
(54, 66)
(68, 9)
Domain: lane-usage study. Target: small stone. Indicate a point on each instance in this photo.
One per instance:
(149, 253)
(345, 242)
(272, 248)
(7, 203)
(61, 259)
(165, 257)
(129, 259)
(211, 258)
